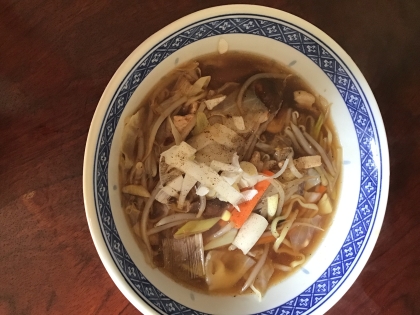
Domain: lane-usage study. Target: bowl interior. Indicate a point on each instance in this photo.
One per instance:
(302, 47)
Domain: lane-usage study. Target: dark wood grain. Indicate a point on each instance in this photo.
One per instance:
(56, 58)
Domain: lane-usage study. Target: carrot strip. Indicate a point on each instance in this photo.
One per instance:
(238, 218)
(321, 189)
(265, 240)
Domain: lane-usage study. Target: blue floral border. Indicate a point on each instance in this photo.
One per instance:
(364, 125)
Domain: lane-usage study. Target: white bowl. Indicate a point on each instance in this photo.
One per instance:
(335, 265)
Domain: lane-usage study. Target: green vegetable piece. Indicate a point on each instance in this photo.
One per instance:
(194, 227)
(201, 124)
(317, 128)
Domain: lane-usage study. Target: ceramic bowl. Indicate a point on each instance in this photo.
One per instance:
(312, 54)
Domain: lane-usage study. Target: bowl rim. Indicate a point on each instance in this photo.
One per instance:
(117, 80)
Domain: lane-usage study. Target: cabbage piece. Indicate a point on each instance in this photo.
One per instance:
(170, 190)
(255, 112)
(301, 235)
(220, 166)
(179, 152)
(231, 173)
(182, 156)
(194, 227)
(184, 258)
(225, 268)
(264, 276)
(214, 151)
(201, 123)
(217, 133)
(165, 194)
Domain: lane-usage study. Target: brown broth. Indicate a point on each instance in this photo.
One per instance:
(238, 67)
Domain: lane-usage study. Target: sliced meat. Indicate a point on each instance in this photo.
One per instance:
(215, 208)
(181, 122)
(267, 91)
(282, 153)
(306, 162)
(304, 99)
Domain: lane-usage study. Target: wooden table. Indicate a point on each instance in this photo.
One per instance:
(56, 58)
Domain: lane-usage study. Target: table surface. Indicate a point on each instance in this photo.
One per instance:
(56, 58)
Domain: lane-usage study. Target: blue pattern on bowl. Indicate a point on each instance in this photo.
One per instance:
(364, 125)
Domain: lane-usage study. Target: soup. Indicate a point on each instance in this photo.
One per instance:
(229, 171)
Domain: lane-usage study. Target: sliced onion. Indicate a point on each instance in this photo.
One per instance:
(282, 198)
(203, 203)
(176, 217)
(257, 292)
(302, 141)
(292, 167)
(288, 131)
(222, 231)
(256, 268)
(321, 151)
